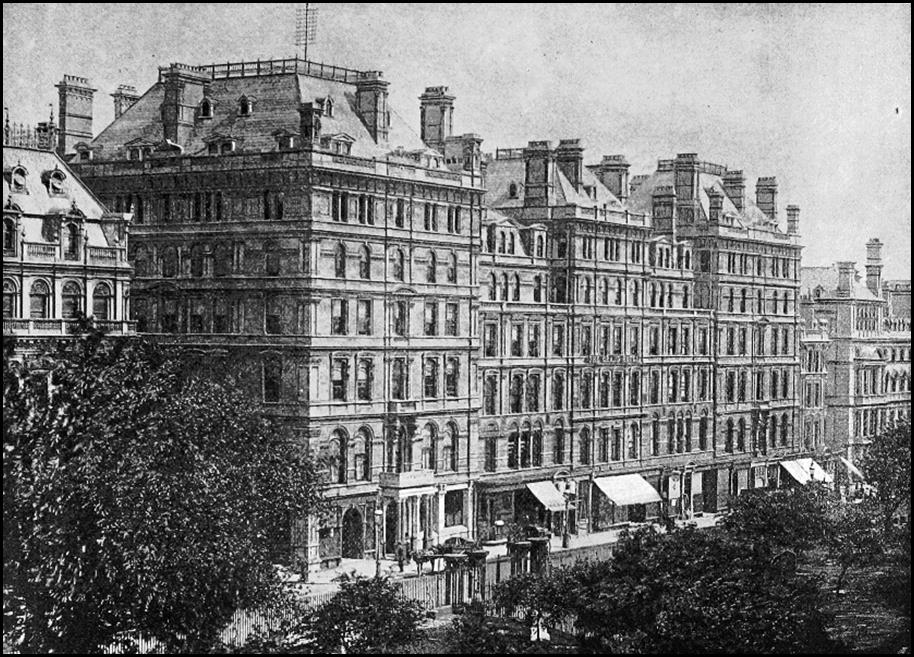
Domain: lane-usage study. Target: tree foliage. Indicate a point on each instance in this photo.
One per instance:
(138, 498)
(886, 464)
(368, 615)
(786, 518)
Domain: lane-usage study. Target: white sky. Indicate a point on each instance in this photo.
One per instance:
(817, 95)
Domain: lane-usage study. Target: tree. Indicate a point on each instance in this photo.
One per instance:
(886, 465)
(788, 518)
(693, 591)
(368, 615)
(139, 498)
(852, 537)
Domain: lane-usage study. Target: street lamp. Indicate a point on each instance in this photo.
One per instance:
(378, 514)
(568, 488)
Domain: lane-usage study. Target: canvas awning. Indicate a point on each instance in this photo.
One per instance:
(853, 469)
(806, 470)
(627, 489)
(548, 495)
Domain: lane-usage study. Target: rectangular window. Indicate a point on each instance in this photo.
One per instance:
(399, 382)
(364, 376)
(339, 317)
(450, 319)
(517, 340)
(340, 207)
(634, 345)
(431, 318)
(558, 340)
(401, 317)
(339, 379)
(490, 340)
(453, 508)
(400, 217)
(363, 317)
(452, 377)
(586, 340)
(533, 341)
(430, 378)
(617, 340)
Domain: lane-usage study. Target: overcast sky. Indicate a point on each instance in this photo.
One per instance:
(819, 96)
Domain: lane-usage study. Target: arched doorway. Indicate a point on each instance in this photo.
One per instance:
(353, 532)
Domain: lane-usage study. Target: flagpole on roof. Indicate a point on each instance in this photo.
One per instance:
(305, 28)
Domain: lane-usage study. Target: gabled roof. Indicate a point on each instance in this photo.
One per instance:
(825, 279)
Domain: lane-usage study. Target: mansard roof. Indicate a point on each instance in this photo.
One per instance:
(825, 279)
(278, 98)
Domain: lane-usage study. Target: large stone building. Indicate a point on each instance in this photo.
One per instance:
(64, 254)
(465, 344)
(869, 353)
(637, 338)
(287, 220)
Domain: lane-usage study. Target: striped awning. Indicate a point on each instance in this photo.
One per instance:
(806, 470)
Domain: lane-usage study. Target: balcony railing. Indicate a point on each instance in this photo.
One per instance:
(411, 479)
(53, 327)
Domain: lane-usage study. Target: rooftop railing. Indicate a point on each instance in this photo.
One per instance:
(274, 67)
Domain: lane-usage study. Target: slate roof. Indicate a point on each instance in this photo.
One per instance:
(751, 216)
(276, 99)
(827, 278)
(36, 201)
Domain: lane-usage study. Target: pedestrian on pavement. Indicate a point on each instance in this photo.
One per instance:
(401, 555)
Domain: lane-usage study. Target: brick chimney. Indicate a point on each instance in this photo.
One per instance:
(124, 97)
(371, 103)
(75, 96)
(735, 187)
(766, 197)
(846, 275)
(874, 266)
(793, 219)
(715, 205)
(664, 208)
(686, 176)
(569, 155)
(539, 182)
(613, 173)
(436, 107)
(310, 123)
(183, 93)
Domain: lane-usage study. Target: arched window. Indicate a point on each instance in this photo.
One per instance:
(72, 245)
(339, 261)
(728, 444)
(431, 268)
(512, 190)
(196, 261)
(101, 301)
(493, 287)
(784, 307)
(39, 300)
(206, 109)
(584, 440)
(504, 287)
(245, 107)
(785, 428)
(450, 456)
(537, 288)
(169, 262)
(9, 236)
(516, 294)
(655, 436)
(365, 263)
(396, 261)
(634, 441)
(72, 300)
(526, 438)
(540, 246)
(513, 447)
(703, 431)
(537, 446)
(337, 455)
(360, 460)
(558, 443)
(10, 307)
(452, 268)
(429, 447)
(741, 437)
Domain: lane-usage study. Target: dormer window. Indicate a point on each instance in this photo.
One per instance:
(512, 190)
(140, 153)
(245, 106)
(206, 109)
(18, 177)
(228, 146)
(57, 182)
(286, 142)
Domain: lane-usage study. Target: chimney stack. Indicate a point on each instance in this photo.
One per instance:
(310, 123)
(735, 187)
(75, 96)
(371, 101)
(183, 93)
(793, 219)
(436, 107)
(636, 183)
(686, 176)
(539, 183)
(846, 275)
(613, 173)
(124, 97)
(715, 205)
(766, 197)
(664, 208)
(874, 266)
(569, 156)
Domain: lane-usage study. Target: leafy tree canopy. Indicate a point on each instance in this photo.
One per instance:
(138, 498)
(886, 464)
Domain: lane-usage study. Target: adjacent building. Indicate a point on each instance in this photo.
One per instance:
(868, 357)
(64, 253)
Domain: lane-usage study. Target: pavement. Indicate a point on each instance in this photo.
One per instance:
(322, 581)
